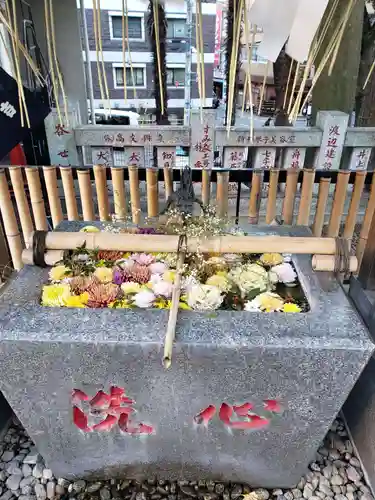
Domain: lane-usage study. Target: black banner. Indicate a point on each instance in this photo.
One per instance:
(11, 131)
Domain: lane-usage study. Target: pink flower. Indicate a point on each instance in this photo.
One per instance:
(272, 405)
(143, 259)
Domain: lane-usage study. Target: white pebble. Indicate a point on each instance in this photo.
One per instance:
(355, 462)
(40, 491)
(7, 456)
(60, 490)
(26, 470)
(13, 482)
(353, 474)
(47, 474)
(51, 488)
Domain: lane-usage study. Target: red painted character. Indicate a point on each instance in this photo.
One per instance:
(63, 154)
(60, 130)
(134, 157)
(114, 408)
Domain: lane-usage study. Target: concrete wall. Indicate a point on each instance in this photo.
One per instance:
(69, 51)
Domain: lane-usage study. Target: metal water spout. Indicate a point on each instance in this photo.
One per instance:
(184, 199)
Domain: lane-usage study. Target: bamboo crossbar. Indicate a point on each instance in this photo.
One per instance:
(169, 243)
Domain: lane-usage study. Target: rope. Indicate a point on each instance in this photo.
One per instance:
(39, 248)
(342, 257)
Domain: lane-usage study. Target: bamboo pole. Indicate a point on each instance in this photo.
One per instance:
(21, 200)
(101, 191)
(324, 185)
(70, 195)
(169, 243)
(327, 263)
(206, 186)
(222, 186)
(152, 192)
(172, 320)
(36, 198)
(272, 196)
(363, 236)
(306, 197)
(135, 198)
(51, 257)
(85, 190)
(168, 182)
(255, 197)
(10, 223)
(338, 203)
(119, 196)
(50, 179)
(290, 196)
(351, 219)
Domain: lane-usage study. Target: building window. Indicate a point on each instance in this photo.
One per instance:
(176, 28)
(255, 56)
(134, 25)
(139, 77)
(175, 77)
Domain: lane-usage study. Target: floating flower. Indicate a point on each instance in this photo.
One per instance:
(285, 272)
(289, 307)
(217, 263)
(158, 267)
(111, 255)
(144, 299)
(130, 287)
(55, 295)
(204, 297)
(125, 263)
(163, 288)
(273, 277)
(140, 274)
(169, 276)
(221, 282)
(271, 259)
(81, 284)
(121, 304)
(102, 295)
(58, 273)
(121, 276)
(232, 258)
(249, 278)
(170, 259)
(90, 229)
(188, 281)
(143, 259)
(104, 274)
(77, 300)
(268, 302)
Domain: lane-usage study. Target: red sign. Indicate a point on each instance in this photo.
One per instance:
(218, 27)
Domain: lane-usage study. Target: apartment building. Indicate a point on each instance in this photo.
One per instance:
(139, 96)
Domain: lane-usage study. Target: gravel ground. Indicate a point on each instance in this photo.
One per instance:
(335, 475)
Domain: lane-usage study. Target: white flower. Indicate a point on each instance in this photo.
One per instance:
(204, 297)
(232, 258)
(249, 277)
(155, 278)
(273, 277)
(158, 268)
(163, 288)
(287, 257)
(130, 287)
(187, 282)
(285, 272)
(252, 306)
(125, 263)
(144, 299)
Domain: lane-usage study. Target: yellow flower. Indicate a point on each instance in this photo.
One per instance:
(183, 305)
(104, 274)
(55, 295)
(58, 273)
(289, 307)
(90, 229)
(130, 287)
(271, 259)
(169, 276)
(161, 303)
(126, 255)
(219, 281)
(121, 304)
(77, 300)
(270, 302)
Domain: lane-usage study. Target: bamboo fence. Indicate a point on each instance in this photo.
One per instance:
(40, 198)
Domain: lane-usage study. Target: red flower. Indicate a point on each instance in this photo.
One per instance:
(80, 420)
(272, 405)
(205, 415)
